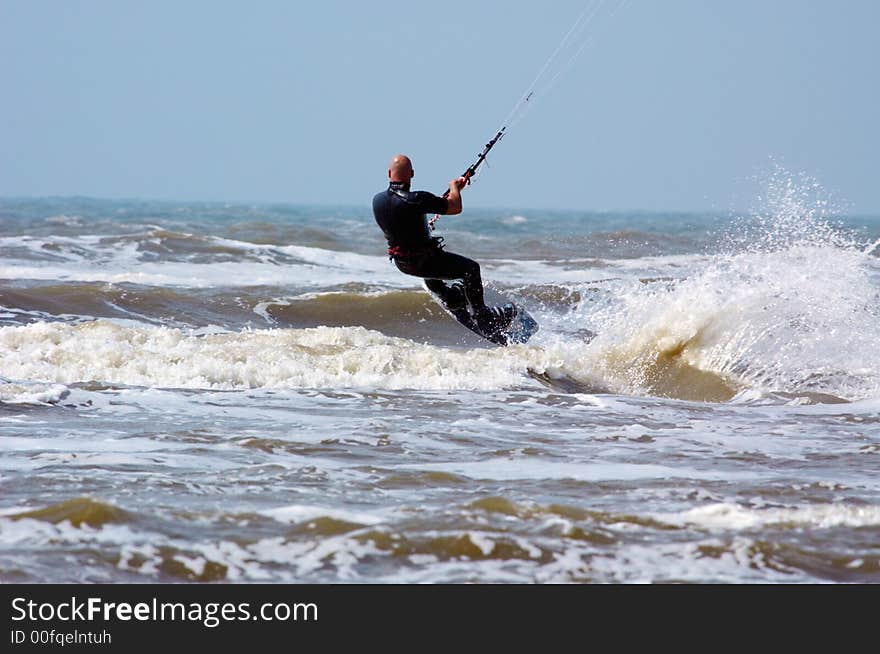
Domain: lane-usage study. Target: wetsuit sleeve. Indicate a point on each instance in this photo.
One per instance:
(430, 203)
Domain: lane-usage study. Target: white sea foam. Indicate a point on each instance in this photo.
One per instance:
(29, 531)
(196, 275)
(544, 558)
(519, 468)
(95, 258)
(800, 318)
(31, 393)
(284, 358)
(727, 516)
(296, 513)
(715, 322)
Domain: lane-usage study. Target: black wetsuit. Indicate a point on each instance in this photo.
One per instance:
(401, 214)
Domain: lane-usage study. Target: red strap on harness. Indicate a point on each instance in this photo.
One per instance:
(435, 245)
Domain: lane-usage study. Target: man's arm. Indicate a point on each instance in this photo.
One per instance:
(454, 196)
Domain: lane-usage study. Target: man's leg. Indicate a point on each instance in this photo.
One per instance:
(452, 296)
(446, 265)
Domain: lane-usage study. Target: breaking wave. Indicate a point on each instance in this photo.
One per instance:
(790, 306)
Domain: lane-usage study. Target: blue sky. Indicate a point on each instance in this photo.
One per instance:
(674, 105)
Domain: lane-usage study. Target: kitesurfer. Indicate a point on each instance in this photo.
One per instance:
(402, 215)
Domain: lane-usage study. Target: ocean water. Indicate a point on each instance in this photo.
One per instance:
(253, 393)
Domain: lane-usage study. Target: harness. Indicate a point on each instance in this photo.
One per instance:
(401, 190)
(398, 252)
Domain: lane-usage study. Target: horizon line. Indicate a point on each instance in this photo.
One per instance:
(704, 211)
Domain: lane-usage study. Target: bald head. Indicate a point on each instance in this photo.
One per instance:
(400, 169)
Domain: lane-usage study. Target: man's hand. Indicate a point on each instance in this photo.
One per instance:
(458, 183)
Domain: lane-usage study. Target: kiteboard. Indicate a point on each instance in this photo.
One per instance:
(518, 330)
